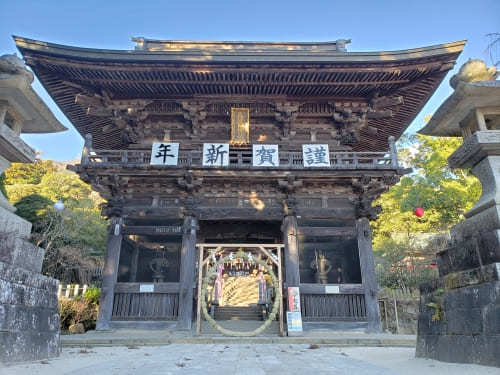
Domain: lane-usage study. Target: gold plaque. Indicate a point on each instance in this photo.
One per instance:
(240, 125)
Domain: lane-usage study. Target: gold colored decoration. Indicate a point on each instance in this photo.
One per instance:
(240, 126)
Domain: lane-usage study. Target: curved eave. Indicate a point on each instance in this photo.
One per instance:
(223, 55)
(446, 120)
(413, 74)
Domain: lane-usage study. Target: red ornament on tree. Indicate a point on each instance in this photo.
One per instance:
(419, 212)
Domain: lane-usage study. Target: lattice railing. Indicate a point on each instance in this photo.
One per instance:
(242, 159)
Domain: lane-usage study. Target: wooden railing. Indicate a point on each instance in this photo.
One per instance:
(145, 306)
(329, 307)
(130, 303)
(242, 159)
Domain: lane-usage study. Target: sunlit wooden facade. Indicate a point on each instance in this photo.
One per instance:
(294, 94)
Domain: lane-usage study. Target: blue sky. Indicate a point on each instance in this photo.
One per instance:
(372, 26)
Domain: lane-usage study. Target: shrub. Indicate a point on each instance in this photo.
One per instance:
(77, 310)
(399, 268)
(92, 295)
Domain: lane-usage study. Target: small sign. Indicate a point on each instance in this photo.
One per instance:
(294, 323)
(332, 289)
(164, 153)
(169, 229)
(265, 155)
(294, 299)
(316, 155)
(146, 288)
(215, 154)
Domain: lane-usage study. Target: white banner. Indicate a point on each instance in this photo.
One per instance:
(316, 155)
(215, 154)
(265, 156)
(163, 153)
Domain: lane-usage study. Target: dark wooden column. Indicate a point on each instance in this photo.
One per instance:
(188, 258)
(368, 276)
(109, 275)
(289, 228)
(134, 263)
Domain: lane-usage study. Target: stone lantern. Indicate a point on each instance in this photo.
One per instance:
(459, 317)
(29, 321)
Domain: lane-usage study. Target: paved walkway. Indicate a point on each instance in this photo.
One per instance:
(241, 359)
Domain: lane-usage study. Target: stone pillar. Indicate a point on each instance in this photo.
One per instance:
(187, 273)
(459, 317)
(368, 276)
(109, 275)
(290, 240)
(87, 147)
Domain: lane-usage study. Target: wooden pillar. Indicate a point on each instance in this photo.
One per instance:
(134, 263)
(290, 228)
(109, 275)
(188, 258)
(368, 276)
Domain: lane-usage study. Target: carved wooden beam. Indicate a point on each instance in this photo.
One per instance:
(189, 182)
(290, 185)
(286, 113)
(194, 113)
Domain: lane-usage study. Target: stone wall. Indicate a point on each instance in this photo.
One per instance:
(405, 322)
(29, 320)
(459, 318)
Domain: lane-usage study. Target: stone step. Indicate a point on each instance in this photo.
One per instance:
(241, 326)
(238, 313)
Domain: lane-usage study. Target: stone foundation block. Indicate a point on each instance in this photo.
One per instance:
(11, 223)
(462, 324)
(21, 253)
(29, 319)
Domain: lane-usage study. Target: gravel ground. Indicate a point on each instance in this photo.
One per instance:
(241, 359)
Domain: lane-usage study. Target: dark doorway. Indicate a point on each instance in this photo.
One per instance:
(240, 231)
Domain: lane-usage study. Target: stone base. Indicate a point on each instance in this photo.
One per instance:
(478, 250)
(19, 252)
(459, 318)
(29, 320)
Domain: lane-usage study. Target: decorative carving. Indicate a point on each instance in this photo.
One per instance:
(194, 113)
(189, 182)
(290, 185)
(113, 208)
(124, 114)
(290, 205)
(240, 126)
(472, 71)
(364, 208)
(349, 118)
(286, 114)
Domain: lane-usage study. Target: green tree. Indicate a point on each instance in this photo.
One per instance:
(63, 186)
(72, 237)
(28, 173)
(444, 194)
(33, 207)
